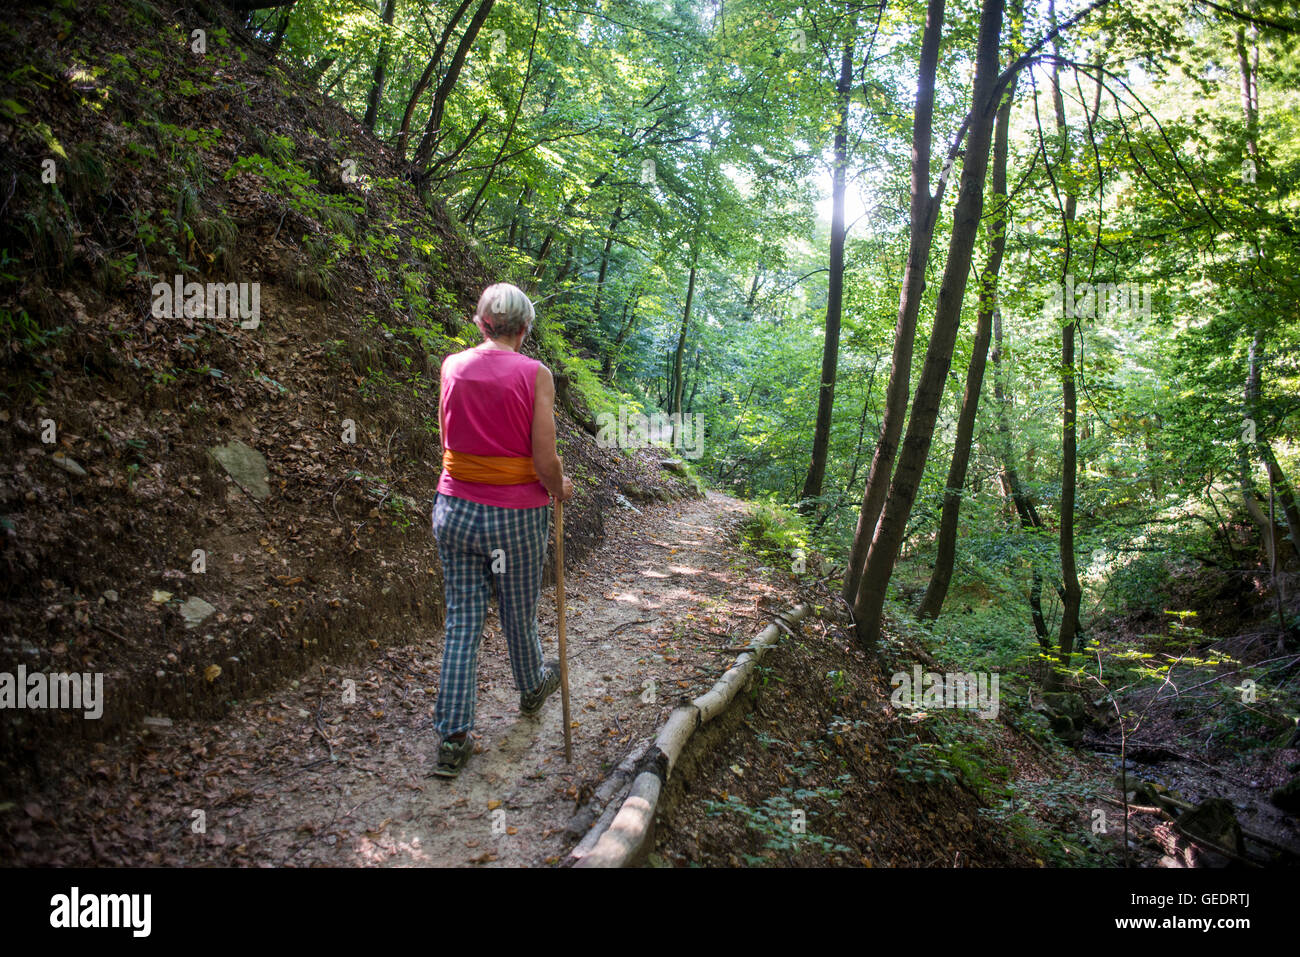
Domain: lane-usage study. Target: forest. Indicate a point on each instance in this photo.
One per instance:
(957, 339)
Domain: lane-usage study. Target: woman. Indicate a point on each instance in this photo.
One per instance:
(497, 416)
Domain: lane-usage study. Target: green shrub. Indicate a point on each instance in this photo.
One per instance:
(775, 532)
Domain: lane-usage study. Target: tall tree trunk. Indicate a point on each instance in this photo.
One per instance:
(1285, 496)
(812, 486)
(520, 205)
(1012, 485)
(562, 273)
(677, 381)
(753, 292)
(424, 151)
(1248, 77)
(862, 434)
(922, 216)
(319, 67)
(282, 27)
(610, 360)
(1270, 531)
(1072, 597)
(603, 271)
(897, 508)
(339, 77)
(548, 242)
(1250, 498)
(472, 211)
(381, 68)
(946, 553)
(689, 404)
(543, 254)
(426, 77)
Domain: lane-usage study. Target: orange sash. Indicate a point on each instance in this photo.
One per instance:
(489, 469)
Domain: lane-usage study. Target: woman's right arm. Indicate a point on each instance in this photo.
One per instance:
(545, 459)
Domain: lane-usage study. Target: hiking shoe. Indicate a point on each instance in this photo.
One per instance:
(453, 756)
(531, 702)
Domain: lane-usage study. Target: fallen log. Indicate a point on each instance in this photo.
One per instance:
(626, 837)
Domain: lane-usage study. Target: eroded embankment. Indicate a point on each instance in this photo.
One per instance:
(303, 777)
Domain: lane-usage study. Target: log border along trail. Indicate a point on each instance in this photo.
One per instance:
(334, 768)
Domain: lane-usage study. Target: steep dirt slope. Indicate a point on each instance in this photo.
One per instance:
(312, 775)
(127, 547)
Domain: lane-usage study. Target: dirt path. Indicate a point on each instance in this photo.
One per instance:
(305, 778)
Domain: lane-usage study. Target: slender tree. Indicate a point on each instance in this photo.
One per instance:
(433, 129)
(426, 77)
(1010, 480)
(677, 381)
(897, 507)
(1072, 591)
(381, 69)
(812, 486)
(922, 213)
(946, 546)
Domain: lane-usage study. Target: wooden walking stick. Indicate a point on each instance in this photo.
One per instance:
(559, 613)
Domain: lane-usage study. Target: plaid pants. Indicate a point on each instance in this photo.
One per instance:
(482, 548)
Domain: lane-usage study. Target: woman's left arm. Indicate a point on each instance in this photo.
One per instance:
(545, 459)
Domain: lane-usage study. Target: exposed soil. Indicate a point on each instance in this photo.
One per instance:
(1199, 733)
(254, 751)
(97, 561)
(804, 773)
(300, 778)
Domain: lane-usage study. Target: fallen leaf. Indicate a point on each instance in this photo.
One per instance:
(212, 672)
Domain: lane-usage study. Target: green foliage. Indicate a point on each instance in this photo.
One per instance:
(49, 234)
(775, 532)
(404, 518)
(774, 819)
(949, 747)
(692, 477)
(583, 373)
(21, 334)
(295, 185)
(1049, 819)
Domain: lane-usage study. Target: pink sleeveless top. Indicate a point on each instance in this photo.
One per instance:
(487, 408)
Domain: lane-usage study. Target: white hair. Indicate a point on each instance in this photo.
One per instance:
(504, 310)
